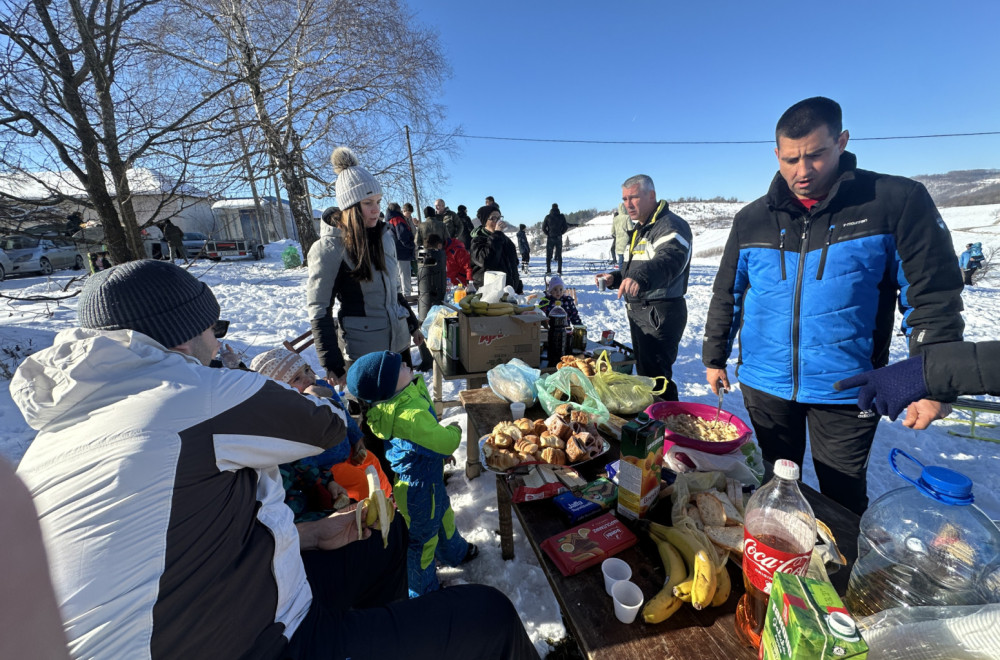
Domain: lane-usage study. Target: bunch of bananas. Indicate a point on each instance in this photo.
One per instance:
(474, 306)
(695, 573)
(375, 511)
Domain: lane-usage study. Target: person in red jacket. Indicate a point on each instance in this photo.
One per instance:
(458, 262)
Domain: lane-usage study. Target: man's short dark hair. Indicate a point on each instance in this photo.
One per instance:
(522, 227)
(806, 116)
(434, 242)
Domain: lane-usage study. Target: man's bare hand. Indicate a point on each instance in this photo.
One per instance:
(334, 531)
(607, 277)
(920, 414)
(714, 377)
(359, 453)
(628, 287)
(339, 382)
(418, 337)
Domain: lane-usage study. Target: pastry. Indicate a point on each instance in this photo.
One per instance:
(552, 440)
(559, 427)
(502, 460)
(524, 457)
(540, 427)
(564, 410)
(502, 440)
(525, 425)
(580, 417)
(533, 439)
(525, 447)
(575, 452)
(554, 456)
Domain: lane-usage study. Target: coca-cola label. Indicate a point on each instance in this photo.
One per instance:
(761, 562)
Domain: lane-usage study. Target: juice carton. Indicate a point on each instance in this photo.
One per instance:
(806, 619)
(640, 466)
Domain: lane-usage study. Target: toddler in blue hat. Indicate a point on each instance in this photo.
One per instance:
(402, 412)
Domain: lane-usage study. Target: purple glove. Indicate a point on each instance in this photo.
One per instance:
(892, 388)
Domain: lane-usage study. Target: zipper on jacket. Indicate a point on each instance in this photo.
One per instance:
(822, 257)
(797, 306)
(781, 254)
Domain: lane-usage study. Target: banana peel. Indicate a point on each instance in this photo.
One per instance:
(375, 511)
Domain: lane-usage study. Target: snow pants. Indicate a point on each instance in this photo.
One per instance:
(657, 328)
(426, 507)
(840, 437)
(360, 611)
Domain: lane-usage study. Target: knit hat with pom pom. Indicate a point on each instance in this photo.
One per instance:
(354, 183)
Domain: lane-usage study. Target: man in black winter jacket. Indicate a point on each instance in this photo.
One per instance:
(809, 280)
(492, 250)
(554, 226)
(654, 280)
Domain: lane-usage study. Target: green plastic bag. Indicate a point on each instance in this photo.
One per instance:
(555, 389)
(624, 394)
(290, 257)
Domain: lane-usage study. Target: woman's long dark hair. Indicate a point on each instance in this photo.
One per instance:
(364, 246)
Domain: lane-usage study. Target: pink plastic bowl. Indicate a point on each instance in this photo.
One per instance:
(665, 409)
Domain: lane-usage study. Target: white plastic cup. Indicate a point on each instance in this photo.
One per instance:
(628, 599)
(614, 569)
(517, 410)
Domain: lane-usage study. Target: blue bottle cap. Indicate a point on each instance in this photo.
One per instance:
(938, 483)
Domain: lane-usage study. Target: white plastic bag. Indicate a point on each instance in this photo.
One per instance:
(493, 284)
(969, 632)
(433, 327)
(514, 381)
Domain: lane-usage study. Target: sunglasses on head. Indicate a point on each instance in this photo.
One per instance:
(220, 328)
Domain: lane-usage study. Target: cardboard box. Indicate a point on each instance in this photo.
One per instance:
(806, 619)
(486, 341)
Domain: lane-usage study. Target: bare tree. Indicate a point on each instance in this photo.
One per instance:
(318, 73)
(76, 98)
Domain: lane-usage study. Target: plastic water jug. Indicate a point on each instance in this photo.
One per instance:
(925, 544)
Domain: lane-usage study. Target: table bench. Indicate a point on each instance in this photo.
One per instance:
(974, 407)
(708, 634)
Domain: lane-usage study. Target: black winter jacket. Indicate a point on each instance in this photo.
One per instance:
(554, 225)
(658, 257)
(959, 368)
(494, 251)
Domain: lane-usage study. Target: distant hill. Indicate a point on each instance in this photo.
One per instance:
(963, 187)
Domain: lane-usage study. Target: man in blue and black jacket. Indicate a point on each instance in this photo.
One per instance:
(653, 280)
(810, 279)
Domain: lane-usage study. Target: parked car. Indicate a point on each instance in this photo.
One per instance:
(31, 254)
(194, 243)
(5, 265)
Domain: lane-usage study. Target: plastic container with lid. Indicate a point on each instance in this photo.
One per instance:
(925, 544)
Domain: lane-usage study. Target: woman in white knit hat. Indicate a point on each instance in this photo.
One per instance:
(354, 264)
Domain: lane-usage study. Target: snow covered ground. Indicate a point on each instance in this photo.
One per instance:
(266, 306)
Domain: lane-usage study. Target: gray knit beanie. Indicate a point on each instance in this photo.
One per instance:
(156, 298)
(354, 183)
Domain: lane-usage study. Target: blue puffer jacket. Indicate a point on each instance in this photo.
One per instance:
(811, 294)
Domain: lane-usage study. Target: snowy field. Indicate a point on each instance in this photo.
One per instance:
(266, 305)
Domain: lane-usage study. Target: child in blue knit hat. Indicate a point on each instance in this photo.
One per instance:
(402, 412)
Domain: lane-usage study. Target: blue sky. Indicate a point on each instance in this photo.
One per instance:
(709, 70)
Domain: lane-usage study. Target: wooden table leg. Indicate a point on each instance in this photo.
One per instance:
(506, 523)
(473, 465)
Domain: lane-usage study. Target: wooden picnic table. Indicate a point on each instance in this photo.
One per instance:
(587, 609)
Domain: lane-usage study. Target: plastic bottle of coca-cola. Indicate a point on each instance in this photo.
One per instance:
(778, 536)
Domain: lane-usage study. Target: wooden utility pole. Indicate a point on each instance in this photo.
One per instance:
(413, 174)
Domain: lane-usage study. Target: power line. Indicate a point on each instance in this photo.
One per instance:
(688, 142)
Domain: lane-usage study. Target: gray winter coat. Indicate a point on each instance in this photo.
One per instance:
(370, 317)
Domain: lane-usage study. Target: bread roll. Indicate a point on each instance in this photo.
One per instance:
(525, 457)
(525, 425)
(533, 439)
(554, 456)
